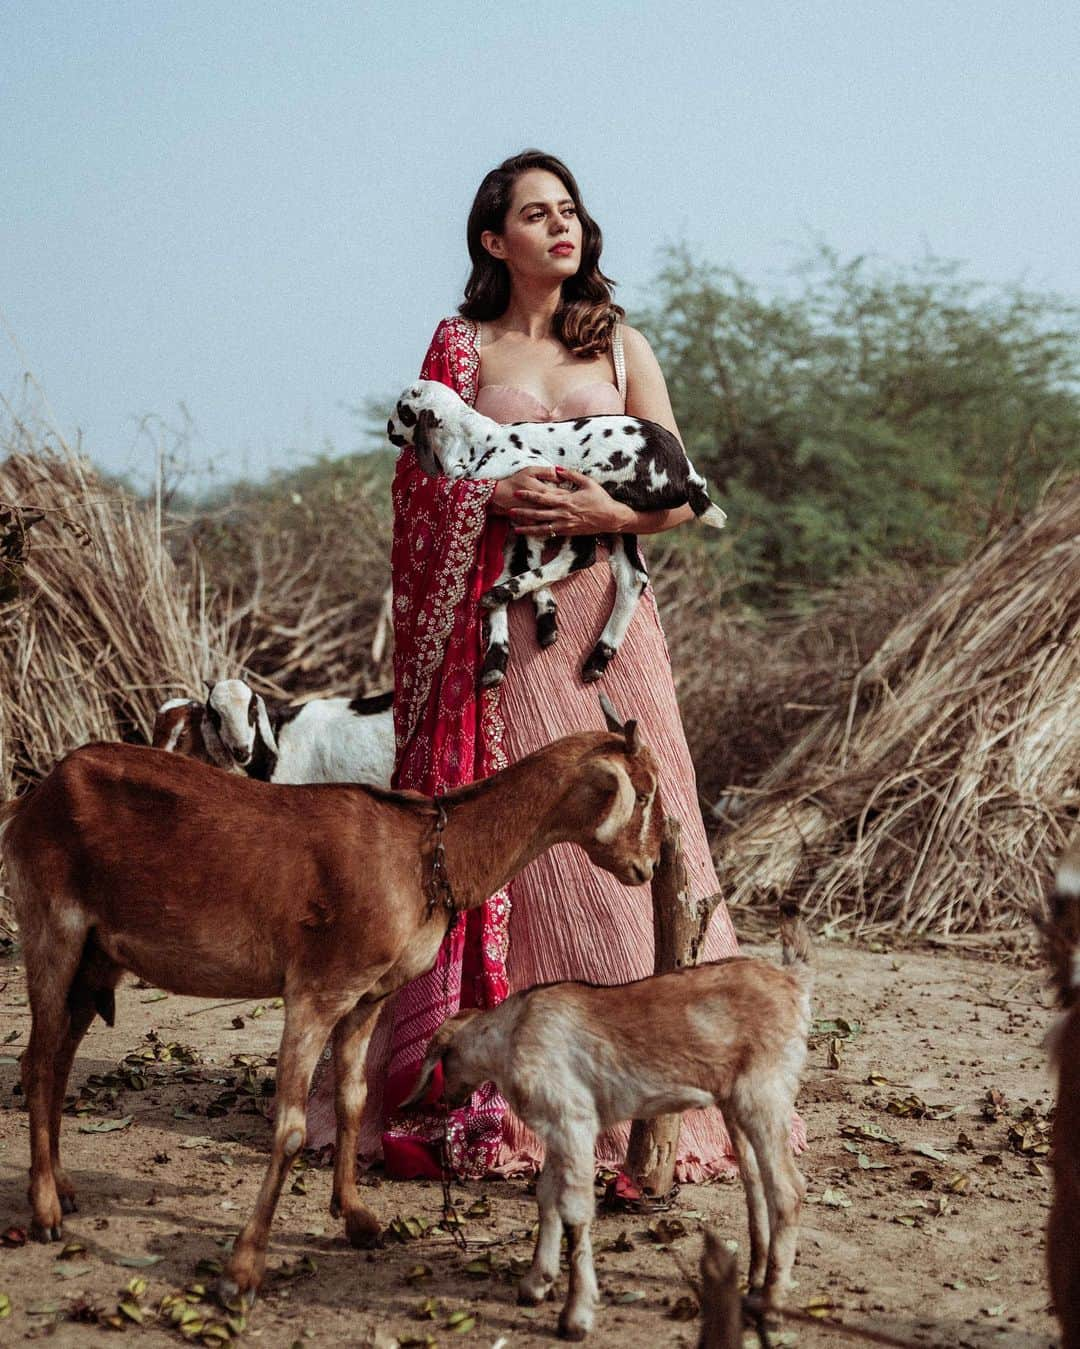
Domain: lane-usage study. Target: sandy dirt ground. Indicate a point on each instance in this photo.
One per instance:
(926, 1099)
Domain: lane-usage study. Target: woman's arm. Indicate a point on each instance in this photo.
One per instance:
(588, 509)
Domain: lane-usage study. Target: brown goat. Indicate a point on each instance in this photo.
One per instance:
(1061, 933)
(332, 896)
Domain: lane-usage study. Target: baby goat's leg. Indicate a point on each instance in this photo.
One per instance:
(535, 1285)
(351, 1037)
(308, 1023)
(756, 1204)
(631, 578)
(575, 553)
(576, 1206)
(497, 652)
(767, 1121)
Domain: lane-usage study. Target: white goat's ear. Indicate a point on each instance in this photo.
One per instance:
(266, 725)
(209, 686)
(614, 778)
(610, 715)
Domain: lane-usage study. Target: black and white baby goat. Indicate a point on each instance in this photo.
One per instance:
(637, 462)
(324, 740)
(573, 1059)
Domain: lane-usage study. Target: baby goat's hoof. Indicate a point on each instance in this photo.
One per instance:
(597, 663)
(495, 597)
(572, 1330)
(494, 667)
(363, 1229)
(547, 630)
(530, 1296)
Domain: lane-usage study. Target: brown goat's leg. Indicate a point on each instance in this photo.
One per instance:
(51, 973)
(81, 1015)
(757, 1209)
(351, 1037)
(1064, 1264)
(307, 1026)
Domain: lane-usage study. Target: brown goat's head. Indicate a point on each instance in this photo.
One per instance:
(618, 793)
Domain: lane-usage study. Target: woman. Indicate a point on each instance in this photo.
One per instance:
(538, 339)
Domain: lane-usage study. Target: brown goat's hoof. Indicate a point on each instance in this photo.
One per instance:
(45, 1234)
(230, 1296)
(68, 1204)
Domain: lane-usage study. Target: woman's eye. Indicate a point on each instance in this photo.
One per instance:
(569, 210)
(536, 215)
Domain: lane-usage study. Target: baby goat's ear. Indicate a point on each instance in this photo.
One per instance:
(426, 422)
(423, 1082)
(633, 740)
(440, 1043)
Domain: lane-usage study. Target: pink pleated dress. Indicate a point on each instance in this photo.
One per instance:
(570, 920)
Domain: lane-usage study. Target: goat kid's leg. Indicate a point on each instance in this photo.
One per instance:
(547, 628)
(307, 1026)
(497, 636)
(575, 554)
(351, 1037)
(1064, 1270)
(757, 1208)
(631, 578)
(536, 1284)
(768, 1127)
(576, 1207)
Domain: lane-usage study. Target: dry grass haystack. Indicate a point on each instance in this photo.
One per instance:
(937, 799)
(104, 628)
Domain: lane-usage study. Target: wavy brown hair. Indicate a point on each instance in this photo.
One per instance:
(587, 314)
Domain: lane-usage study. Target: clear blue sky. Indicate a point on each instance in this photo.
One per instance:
(258, 209)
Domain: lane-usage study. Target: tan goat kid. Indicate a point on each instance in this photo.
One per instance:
(331, 896)
(573, 1059)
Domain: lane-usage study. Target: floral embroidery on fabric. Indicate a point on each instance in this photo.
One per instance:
(446, 552)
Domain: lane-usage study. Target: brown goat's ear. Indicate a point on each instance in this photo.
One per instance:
(612, 718)
(426, 422)
(633, 740)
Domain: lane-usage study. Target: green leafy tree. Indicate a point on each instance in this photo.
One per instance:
(865, 414)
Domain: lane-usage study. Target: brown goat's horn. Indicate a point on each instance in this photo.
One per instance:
(614, 721)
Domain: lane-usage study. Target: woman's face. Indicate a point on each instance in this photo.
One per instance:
(541, 237)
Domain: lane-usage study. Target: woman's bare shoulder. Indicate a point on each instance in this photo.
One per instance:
(639, 354)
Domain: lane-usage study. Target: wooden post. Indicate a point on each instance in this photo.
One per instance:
(679, 927)
(721, 1305)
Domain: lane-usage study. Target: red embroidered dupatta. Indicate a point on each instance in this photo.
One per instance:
(446, 551)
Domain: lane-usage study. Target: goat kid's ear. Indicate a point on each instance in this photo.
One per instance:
(423, 1082)
(614, 779)
(611, 717)
(426, 422)
(633, 740)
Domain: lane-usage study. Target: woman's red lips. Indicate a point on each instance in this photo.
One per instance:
(562, 249)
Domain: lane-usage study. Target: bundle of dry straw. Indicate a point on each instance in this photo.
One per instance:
(938, 797)
(104, 629)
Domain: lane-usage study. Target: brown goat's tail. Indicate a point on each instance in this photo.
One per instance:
(8, 811)
(1061, 930)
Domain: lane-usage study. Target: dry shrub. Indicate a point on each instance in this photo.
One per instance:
(935, 799)
(104, 628)
(307, 565)
(749, 684)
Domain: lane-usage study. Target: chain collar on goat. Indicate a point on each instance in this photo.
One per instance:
(437, 888)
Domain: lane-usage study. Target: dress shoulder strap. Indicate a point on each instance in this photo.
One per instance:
(619, 359)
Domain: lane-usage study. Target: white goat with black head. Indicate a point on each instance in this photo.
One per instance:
(324, 740)
(639, 463)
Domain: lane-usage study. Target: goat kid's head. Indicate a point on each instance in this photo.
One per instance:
(424, 409)
(618, 792)
(234, 712)
(459, 1051)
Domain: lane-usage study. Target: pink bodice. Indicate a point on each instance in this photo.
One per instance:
(504, 403)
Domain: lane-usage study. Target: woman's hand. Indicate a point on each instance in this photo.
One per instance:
(562, 501)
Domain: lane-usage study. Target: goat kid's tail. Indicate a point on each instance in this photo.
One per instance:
(1061, 930)
(701, 504)
(794, 938)
(8, 811)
